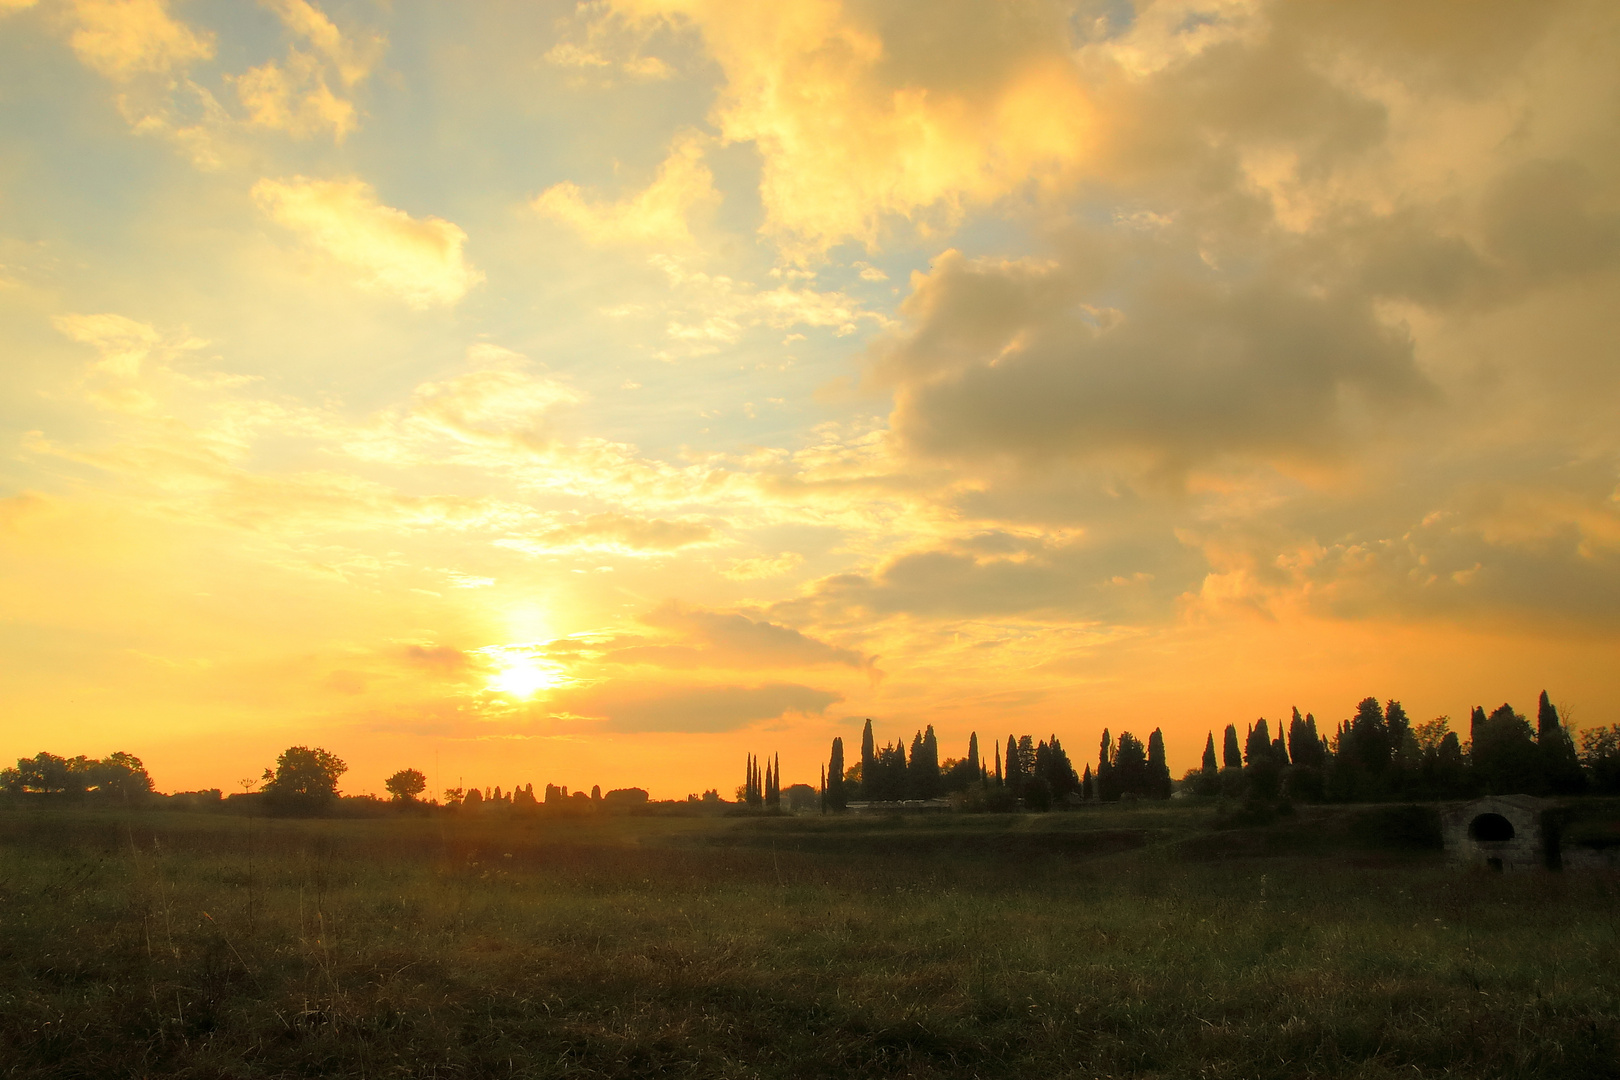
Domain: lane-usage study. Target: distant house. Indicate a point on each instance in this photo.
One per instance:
(1499, 832)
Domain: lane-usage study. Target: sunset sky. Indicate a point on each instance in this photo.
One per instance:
(597, 393)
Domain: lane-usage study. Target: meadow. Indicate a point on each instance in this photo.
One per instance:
(1155, 940)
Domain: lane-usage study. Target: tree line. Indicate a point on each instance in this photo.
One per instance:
(1036, 775)
(1379, 753)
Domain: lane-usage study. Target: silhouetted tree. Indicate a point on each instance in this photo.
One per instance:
(1257, 747)
(1130, 767)
(837, 798)
(1398, 730)
(1053, 768)
(1231, 756)
(927, 772)
(1107, 790)
(1600, 757)
(1560, 765)
(1264, 773)
(1304, 742)
(1505, 758)
(1209, 774)
(1088, 787)
(474, 798)
(405, 785)
(1369, 736)
(1158, 769)
(868, 760)
(119, 777)
(304, 779)
(1015, 768)
(888, 779)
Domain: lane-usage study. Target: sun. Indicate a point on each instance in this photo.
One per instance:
(523, 677)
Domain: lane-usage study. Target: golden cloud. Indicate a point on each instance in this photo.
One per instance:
(294, 95)
(657, 216)
(857, 122)
(418, 260)
(122, 39)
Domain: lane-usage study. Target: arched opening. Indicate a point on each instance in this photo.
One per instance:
(1490, 827)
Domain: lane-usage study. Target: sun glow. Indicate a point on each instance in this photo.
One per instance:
(523, 678)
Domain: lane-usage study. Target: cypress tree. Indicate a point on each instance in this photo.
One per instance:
(1231, 756)
(868, 762)
(837, 798)
(1397, 728)
(1015, 768)
(998, 764)
(1159, 782)
(1088, 789)
(1296, 740)
(1476, 725)
(1130, 766)
(1559, 762)
(1279, 747)
(1257, 748)
(914, 769)
(973, 753)
(1369, 735)
(1106, 791)
(1209, 764)
(928, 771)
(1320, 751)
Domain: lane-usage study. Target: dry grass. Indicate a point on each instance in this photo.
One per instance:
(1068, 945)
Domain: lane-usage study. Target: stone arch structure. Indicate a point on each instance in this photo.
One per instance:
(1499, 832)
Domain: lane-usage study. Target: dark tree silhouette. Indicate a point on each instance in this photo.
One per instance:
(1210, 766)
(1560, 766)
(1016, 774)
(118, 777)
(405, 785)
(837, 798)
(1107, 791)
(1369, 736)
(1231, 755)
(1130, 767)
(868, 761)
(1158, 769)
(1257, 746)
(1052, 765)
(304, 779)
(1505, 757)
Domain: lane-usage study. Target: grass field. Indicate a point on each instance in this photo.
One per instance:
(1139, 941)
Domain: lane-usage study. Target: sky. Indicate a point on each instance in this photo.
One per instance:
(598, 393)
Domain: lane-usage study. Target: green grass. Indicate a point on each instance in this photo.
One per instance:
(1148, 941)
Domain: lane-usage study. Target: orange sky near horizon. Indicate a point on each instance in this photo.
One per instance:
(599, 393)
